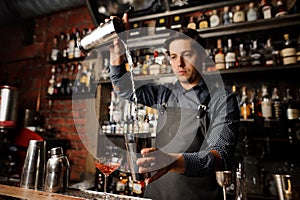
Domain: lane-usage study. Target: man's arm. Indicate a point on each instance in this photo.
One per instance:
(217, 151)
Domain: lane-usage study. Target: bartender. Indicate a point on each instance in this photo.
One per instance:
(197, 124)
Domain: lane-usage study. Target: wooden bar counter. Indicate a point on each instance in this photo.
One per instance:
(11, 192)
(17, 193)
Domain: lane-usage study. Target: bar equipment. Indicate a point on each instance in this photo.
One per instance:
(224, 179)
(284, 186)
(33, 170)
(57, 172)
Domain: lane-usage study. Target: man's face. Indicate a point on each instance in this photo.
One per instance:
(184, 59)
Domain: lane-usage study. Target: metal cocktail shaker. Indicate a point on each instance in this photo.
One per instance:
(102, 34)
(33, 170)
(57, 171)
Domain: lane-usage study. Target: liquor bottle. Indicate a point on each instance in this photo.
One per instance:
(203, 21)
(239, 15)
(71, 44)
(244, 104)
(99, 181)
(281, 8)
(227, 16)
(138, 187)
(230, 57)
(266, 10)
(161, 24)
(145, 69)
(243, 58)
(292, 109)
(92, 77)
(83, 79)
(176, 22)
(266, 104)
(63, 46)
(219, 56)
(121, 187)
(298, 49)
(135, 29)
(277, 105)
(76, 83)
(55, 49)
(256, 57)
(65, 80)
(269, 54)
(255, 104)
(288, 53)
(154, 66)
(295, 8)
(251, 12)
(240, 193)
(77, 51)
(214, 19)
(192, 24)
(58, 79)
(51, 87)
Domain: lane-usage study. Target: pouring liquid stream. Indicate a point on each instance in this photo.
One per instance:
(135, 101)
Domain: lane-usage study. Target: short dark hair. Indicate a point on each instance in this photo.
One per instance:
(184, 33)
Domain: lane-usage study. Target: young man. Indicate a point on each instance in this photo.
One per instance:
(197, 125)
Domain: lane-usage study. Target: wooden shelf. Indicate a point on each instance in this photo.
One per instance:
(72, 96)
(254, 70)
(258, 25)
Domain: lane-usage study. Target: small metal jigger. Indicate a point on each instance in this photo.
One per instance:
(224, 179)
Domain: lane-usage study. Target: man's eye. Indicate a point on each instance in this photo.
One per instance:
(172, 57)
(187, 54)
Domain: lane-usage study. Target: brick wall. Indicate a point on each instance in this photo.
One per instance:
(26, 66)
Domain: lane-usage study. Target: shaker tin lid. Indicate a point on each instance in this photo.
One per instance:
(56, 151)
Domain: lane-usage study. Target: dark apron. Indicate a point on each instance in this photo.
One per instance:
(180, 130)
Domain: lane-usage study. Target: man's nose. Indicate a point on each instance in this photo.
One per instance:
(180, 62)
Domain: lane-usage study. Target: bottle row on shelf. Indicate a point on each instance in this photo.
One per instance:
(73, 78)
(64, 45)
(219, 16)
(122, 118)
(268, 103)
(254, 53)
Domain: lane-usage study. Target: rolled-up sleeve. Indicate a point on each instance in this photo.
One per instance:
(220, 138)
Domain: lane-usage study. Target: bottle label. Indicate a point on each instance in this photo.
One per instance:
(266, 109)
(137, 188)
(191, 25)
(239, 17)
(220, 61)
(214, 21)
(230, 57)
(203, 24)
(292, 113)
(267, 12)
(120, 187)
(255, 59)
(251, 16)
(289, 56)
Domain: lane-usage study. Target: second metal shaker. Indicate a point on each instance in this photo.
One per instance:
(33, 169)
(57, 171)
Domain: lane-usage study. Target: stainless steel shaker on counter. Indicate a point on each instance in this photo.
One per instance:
(57, 171)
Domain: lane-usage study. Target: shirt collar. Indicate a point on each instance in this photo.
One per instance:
(201, 90)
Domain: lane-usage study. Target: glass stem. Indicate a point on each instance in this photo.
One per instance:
(224, 192)
(105, 183)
